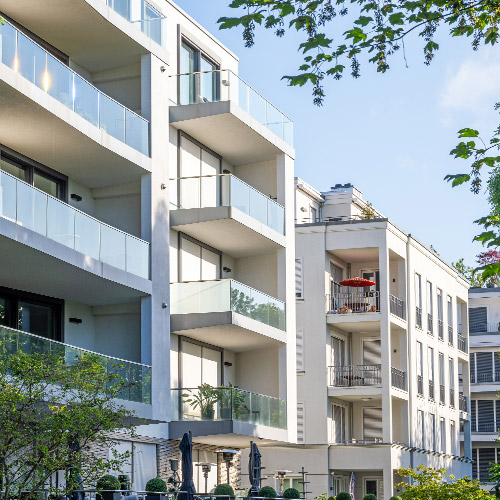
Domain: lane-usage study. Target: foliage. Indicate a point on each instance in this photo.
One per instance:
(292, 493)
(156, 485)
(368, 212)
(476, 280)
(267, 492)
(344, 496)
(204, 398)
(51, 412)
(370, 496)
(395, 498)
(224, 489)
(426, 483)
(336, 34)
(108, 483)
(268, 313)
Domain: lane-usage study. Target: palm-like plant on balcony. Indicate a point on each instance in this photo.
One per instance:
(231, 399)
(204, 398)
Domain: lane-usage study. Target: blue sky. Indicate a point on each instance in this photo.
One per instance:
(390, 135)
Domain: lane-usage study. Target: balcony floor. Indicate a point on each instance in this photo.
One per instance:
(38, 126)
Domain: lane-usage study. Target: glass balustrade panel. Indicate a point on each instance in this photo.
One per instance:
(137, 257)
(214, 295)
(59, 81)
(8, 197)
(275, 121)
(31, 61)
(112, 117)
(87, 235)
(86, 100)
(113, 247)
(257, 106)
(189, 195)
(258, 206)
(209, 192)
(276, 217)
(31, 208)
(240, 195)
(122, 7)
(137, 132)
(8, 37)
(243, 94)
(60, 222)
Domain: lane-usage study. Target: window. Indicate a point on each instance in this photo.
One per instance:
(31, 313)
(440, 313)
(484, 367)
(301, 422)
(441, 378)
(338, 351)
(432, 423)
(451, 376)
(430, 367)
(450, 320)
(339, 424)
(198, 261)
(371, 487)
(421, 428)
(485, 415)
(152, 23)
(300, 350)
(336, 276)
(299, 284)
(35, 174)
(314, 215)
(203, 86)
(418, 299)
(430, 309)
(372, 424)
(453, 437)
(420, 368)
(442, 434)
(478, 319)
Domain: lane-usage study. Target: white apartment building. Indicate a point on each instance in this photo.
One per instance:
(146, 214)
(378, 367)
(484, 317)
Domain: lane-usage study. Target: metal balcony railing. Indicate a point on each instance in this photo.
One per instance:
(452, 398)
(462, 402)
(484, 377)
(398, 379)
(440, 329)
(136, 376)
(485, 427)
(441, 394)
(430, 325)
(420, 385)
(461, 343)
(397, 307)
(200, 297)
(483, 327)
(431, 389)
(354, 375)
(33, 209)
(418, 317)
(34, 63)
(226, 190)
(354, 302)
(450, 335)
(206, 403)
(224, 85)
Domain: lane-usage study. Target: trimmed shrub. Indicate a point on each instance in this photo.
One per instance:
(344, 496)
(267, 492)
(370, 496)
(108, 483)
(330, 498)
(291, 493)
(395, 498)
(224, 489)
(156, 485)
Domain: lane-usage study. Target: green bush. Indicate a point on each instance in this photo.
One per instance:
(156, 485)
(291, 493)
(344, 496)
(370, 496)
(330, 498)
(108, 483)
(267, 492)
(395, 498)
(224, 489)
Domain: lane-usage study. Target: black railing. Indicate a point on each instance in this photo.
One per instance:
(462, 402)
(355, 375)
(452, 398)
(397, 307)
(398, 379)
(441, 394)
(418, 317)
(485, 427)
(431, 389)
(450, 335)
(462, 343)
(420, 385)
(430, 326)
(440, 329)
(355, 302)
(484, 377)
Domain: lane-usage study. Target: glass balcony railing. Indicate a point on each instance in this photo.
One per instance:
(227, 190)
(198, 297)
(35, 210)
(32, 62)
(224, 85)
(143, 15)
(228, 403)
(137, 377)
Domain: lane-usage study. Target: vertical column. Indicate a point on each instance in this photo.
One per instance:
(286, 292)
(467, 438)
(388, 476)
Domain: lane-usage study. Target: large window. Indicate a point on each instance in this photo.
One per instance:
(36, 175)
(485, 415)
(31, 313)
(197, 261)
(339, 424)
(478, 320)
(482, 460)
(484, 367)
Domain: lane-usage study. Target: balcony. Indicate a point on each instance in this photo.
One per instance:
(397, 307)
(442, 394)
(484, 328)
(354, 375)
(398, 379)
(235, 413)
(227, 313)
(39, 212)
(485, 377)
(418, 317)
(54, 116)
(354, 311)
(431, 390)
(452, 398)
(225, 114)
(420, 385)
(228, 214)
(137, 377)
(461, 343)
(462, 402)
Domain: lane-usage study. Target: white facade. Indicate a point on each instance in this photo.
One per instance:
(378, 367)
(484, 317)
(148, 216)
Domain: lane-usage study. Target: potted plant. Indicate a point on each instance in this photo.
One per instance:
(267, 492)
(370, 496)
(344, 496)
(224, 490)
(204, 398)
(155, 487)
(108, 488)
(291, 493)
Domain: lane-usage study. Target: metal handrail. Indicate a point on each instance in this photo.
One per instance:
(355, 375)
(396, 306)
(418, 316)
(398, 378)
(461, 343)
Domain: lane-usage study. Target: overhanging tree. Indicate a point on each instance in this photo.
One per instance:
(52, 414)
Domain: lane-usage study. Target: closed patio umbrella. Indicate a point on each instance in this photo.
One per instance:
(187, 486)
(254, 470)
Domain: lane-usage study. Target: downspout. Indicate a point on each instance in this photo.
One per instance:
(409, 321)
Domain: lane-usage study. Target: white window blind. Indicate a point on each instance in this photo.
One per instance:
(301, 423)
(299, 285)
(300, 350)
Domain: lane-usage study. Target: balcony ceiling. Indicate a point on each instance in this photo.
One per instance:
(356, 255)
(76, 28)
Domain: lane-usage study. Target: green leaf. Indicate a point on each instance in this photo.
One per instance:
(363, 20)
(397, 18)
(468, 132)
(457, 179)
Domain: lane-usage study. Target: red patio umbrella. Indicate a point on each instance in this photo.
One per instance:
(357, 282)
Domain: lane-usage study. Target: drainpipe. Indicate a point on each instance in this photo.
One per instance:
(409, 325)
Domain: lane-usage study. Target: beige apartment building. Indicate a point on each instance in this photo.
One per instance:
(378, 367)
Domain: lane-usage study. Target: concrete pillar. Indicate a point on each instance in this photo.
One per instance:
(388, 476)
